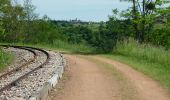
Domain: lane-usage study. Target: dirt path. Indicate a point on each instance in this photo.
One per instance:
(89, 80)
(147, 88)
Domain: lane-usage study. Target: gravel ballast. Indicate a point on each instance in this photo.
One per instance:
(21, 57)
(35, 81)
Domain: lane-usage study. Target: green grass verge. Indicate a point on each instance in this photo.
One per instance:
(5, 59)
(152, 61)
(60, 46)
(145, 51)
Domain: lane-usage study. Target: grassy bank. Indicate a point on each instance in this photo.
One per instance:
(59, 46)
(5, 59)
(152, 61)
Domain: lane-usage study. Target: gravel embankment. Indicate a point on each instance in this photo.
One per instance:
(34, 81)
(21, 57)
(40, 59)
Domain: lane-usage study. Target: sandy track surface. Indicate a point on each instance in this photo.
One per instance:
(89, 80)
(147, 88)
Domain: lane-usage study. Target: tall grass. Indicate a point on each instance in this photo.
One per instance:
(4, 59)
(60, 46)
(152, 61)
(76, 48)
(144, 51)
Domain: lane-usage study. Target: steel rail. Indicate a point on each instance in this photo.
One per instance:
(21, 66)
(14, 83)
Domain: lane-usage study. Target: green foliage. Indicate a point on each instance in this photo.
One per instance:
(160, 32)
(160, 37)
(19, 23)
(75, 48)
(102, 39)
(144, 51)
(147, 22)
(151, 60)
(1, 29)
(143, 16)
(5, 59)
(105, 39)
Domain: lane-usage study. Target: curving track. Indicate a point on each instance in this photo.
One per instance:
(14, 71)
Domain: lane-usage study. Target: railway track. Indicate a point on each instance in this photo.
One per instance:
(15, 70)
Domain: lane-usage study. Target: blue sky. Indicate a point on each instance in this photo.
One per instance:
(86, 10)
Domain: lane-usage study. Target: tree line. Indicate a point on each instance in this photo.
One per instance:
(147, 21)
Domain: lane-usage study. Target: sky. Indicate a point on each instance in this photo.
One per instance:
(86, 10)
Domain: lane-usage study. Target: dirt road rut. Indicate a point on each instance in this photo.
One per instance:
(88, 80)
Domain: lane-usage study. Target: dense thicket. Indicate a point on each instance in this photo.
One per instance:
(146, 22)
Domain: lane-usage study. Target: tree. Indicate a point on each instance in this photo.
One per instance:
(11, 16)
(143, 14)
(28, 20)
(29, 10)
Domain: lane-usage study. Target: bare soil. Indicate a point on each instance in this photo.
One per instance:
(147, 88)
(88, 80)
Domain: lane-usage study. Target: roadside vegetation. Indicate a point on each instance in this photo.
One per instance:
(152, 61)
(5, 59)
(20, 24)
(146, 23)
(58, 46)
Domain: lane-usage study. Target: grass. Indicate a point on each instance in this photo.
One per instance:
(152, 61)
(74, 48)
(59, 45)
(5, 59)
(144, 51)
